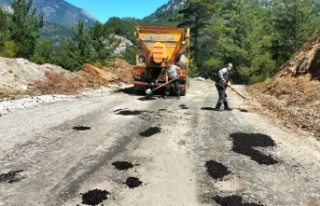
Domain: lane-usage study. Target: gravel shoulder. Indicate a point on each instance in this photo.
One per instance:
(56, 152)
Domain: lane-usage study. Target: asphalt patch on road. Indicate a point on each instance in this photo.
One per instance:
(244, 143)
(133, 182)
(233, 201)
(150, 131)
(81, 128)
(183, 106)
(122, 165)
(216, 170)
(243, 110)
(95, 197)
(129, 112)
(11, 177)
(162, 110)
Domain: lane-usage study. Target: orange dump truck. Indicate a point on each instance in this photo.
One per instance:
(159, 45)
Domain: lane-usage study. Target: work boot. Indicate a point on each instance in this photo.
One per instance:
(218, 106)
(226, 106)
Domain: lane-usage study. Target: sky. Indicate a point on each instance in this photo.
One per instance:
(102, 10)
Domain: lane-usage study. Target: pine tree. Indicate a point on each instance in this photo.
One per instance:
(240, 34)
(8, 48)
(44, 51)
(68, 56)
(83, 43)
(294, 22)
(24, 27)
(196, 15)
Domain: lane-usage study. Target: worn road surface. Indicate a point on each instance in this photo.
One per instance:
(182, 152)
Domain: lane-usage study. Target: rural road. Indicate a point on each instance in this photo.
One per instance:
(174, 153)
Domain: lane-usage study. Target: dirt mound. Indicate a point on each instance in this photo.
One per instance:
(294, 93)
(122, 69)
(109, 76)
(19, 76)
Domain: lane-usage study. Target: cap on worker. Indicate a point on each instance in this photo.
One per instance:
(229, 65)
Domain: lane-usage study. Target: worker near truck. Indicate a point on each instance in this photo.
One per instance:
(222, 83)
(171, 73)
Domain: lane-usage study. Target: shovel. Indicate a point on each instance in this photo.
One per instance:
(150, 91)
(233, 89)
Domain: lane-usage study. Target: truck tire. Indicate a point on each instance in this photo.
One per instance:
(183, 92)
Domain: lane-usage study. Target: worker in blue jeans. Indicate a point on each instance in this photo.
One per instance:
(171, 73)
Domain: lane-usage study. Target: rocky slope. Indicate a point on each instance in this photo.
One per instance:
(163, 13)
(294, 93)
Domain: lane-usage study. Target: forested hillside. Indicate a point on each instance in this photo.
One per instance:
(257, 36)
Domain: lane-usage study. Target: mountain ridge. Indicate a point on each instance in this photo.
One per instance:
(58, 11)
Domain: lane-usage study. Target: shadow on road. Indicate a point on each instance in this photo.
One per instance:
(129, 90)
(208, 108)
(147, 98)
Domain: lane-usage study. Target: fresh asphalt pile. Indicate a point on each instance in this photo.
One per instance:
(233, 200)
(122, 165)
(244, 143)
(216, 170)
(81, 128)
(130, 112)
(10, 177)
(150, 131)
(183, 106)
(95, 197)
(133, 182)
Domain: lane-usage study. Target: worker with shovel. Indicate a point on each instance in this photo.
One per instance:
(172, 77)
(221, 85)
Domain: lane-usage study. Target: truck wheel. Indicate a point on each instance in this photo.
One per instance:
(183, 92)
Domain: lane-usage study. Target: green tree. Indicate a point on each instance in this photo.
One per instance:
(3, 22)
(83, 43)
(101, 42)
(24, 27)
(68, 56)
(240, 33)
(8, 48)
(97, 35)
(196, 15)
(294, 21)
(130, 54)
(44, 51)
